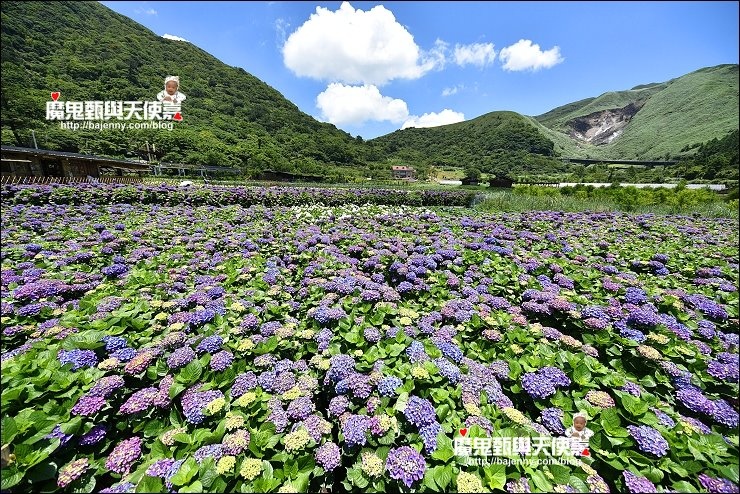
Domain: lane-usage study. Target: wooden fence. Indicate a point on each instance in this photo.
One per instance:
(13, 179)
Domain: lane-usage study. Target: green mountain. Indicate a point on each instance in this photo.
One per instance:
(87, 52)
(646, 122)
(651, 120)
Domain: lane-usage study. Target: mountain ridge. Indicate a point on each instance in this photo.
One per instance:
(235, 119)
(711, 114)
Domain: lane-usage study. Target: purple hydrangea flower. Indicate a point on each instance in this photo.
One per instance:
(120, 488)
(124, 354)
(537, 385)
(160, 468)
(180, 357)
(328, 456)
(338, 405)
(416, 352)
(663, 419)
(139, 401)
(243, 383)
(555, 376)
(340, 366)
(419, 411)
(355, 430)
(107, 385)
(301, 408)
(519, 485)
(635, 296)
(93, 436)
(210, 344)
(355, 383)
(371, 334)
(552, 418)
(428, 435)
(113, 343)
(214, 451)
(236, 442)
(78, 358)
(482, 422)
(193, 403)
(636, 484)
(406, 465)
(631, 388)
(221, 360)
(115, 270)
(388, 385)
(124, 455)
(693, 399)
(642, 319)
(315, 425)
(57, 433)
(717, 485)
(699, 425)
(88, 405)
(723, 413)
(448, 369)
(708, 307)
(649, 440)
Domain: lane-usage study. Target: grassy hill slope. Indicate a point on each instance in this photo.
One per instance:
(690, 109)
(697, 107)
(556, 118)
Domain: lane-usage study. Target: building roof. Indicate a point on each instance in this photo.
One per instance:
(402, 168)
(102, 160)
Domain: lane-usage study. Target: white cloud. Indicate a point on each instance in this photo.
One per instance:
(342, 105)
(151, 12)
(174, 38)
(523, 55)
(435, 58)
(480, 54)
(355, 46)
(432, 119)
(281, 28)
(449, 91)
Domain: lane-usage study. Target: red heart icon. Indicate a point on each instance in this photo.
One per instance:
(55, 95)
(177, 116)
(585, 452)
(463, 432)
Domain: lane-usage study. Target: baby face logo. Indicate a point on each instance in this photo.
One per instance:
(166, 107)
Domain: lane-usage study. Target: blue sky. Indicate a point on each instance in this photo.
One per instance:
(375, 67)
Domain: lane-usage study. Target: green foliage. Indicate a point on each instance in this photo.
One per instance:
(472, 174)
(714, 159)
(613, 198)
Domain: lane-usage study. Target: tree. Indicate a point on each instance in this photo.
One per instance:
(472, 174)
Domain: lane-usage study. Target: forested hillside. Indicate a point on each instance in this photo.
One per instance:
(88, 52)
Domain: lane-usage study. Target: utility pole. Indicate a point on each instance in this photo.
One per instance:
(33, 133)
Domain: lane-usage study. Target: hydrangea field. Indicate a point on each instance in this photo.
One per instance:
(157, 341)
